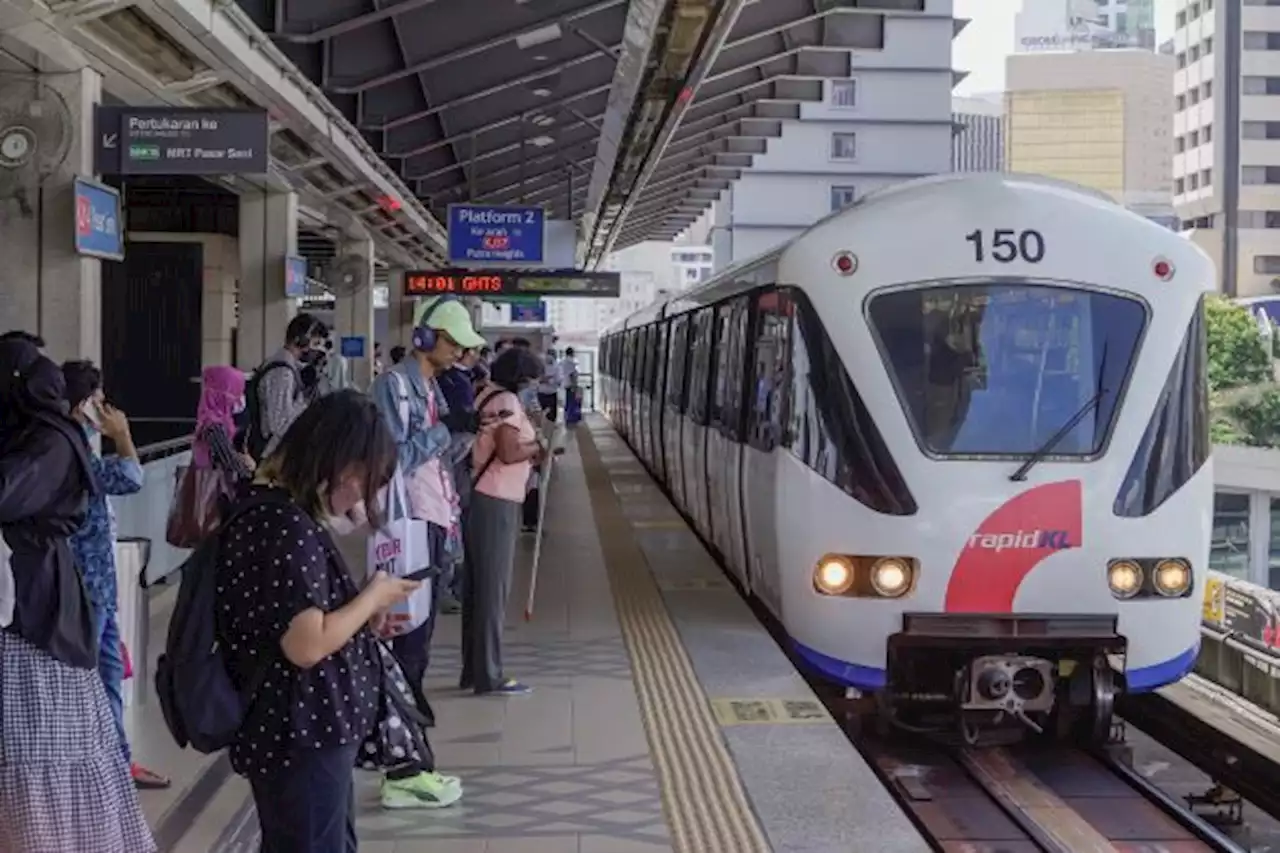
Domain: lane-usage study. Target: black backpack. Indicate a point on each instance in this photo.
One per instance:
(255, 441)
(201, 705)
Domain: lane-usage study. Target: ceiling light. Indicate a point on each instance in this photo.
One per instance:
(541, 141)
(542, 93)
(543, 121)
(541, 57)
(541, 35)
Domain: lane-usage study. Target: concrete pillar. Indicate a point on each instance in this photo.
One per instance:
(353, 312)
(45, 287)
(268, 235)
(399, 313)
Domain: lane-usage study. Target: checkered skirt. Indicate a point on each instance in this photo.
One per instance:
(64, 786)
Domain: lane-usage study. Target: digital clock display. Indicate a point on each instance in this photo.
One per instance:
(435, 283)
(511, 283)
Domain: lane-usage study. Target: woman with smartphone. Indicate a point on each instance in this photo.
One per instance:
(64, 784)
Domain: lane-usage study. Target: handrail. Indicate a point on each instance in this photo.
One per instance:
(162, 449)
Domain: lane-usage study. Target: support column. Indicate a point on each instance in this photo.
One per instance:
(45, 287)
(399, 313)
(353, 312)
(268, 236)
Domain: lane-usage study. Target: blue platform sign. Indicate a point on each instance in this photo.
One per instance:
(99, 229)
(496, 234)
(295, 277)
(529, 312)
(352, 347)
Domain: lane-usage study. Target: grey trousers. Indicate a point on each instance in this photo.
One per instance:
(491, 527)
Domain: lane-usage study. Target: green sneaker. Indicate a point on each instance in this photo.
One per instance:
(424, 791)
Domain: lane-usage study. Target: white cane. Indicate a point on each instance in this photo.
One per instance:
(544, 488)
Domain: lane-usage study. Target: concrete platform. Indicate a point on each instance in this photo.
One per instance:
(664, 717)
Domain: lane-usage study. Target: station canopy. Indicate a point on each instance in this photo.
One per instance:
(571, 104)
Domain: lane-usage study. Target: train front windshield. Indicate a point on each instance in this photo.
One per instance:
(998, 369)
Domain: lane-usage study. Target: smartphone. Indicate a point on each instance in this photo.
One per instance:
(93, 411)
(420, 575)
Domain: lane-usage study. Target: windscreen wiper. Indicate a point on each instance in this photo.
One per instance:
(1045, 449)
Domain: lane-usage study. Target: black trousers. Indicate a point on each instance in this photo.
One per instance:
(550, 404)
(309, 806)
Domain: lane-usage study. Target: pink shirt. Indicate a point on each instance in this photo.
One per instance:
(501, 480)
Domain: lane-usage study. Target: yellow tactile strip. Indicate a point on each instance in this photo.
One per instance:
(706, 805)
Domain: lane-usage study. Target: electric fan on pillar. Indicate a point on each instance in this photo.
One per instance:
(347, 275)
(35, 139)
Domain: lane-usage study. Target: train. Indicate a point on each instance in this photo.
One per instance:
(955, 439)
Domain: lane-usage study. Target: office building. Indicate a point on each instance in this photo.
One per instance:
(888, 122)
(1099, 118)
(1216, 88)
(978, 143)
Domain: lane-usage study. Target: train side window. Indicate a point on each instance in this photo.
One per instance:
(633, 356)
(720, 374)
(830, 428)
(677, 361)
(769, 383)
(701, 358)
(661, 334)
(1176, 442)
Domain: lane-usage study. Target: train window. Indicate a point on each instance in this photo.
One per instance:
(721, 368)
(830, 428)
(769, 373)
(999, 369)
(735, 348)
(700, 356)
(678, 350)
(661, 334)
(1176, 443)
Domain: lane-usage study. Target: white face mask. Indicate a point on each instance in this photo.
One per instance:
(345, 525)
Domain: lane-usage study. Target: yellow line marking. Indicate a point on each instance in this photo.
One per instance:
(660, 524)
(771, 712)
(706, 806)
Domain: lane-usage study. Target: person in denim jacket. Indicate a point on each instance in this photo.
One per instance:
(410, 401)
(94, 543)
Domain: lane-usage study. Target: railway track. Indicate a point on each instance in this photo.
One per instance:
(1036, 799)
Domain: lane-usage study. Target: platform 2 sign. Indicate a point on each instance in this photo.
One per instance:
(496, 234)
(99, 229)
(182, 141)
(510, 283)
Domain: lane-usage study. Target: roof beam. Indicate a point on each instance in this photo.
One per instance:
(353, 23)
(453, 56)
(541, 155)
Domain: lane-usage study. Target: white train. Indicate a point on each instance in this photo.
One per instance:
(955, 438)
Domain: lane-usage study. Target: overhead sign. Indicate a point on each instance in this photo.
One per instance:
(182, 141)
(295, 277)
(529, 312)
(352, 347)
(491, 283)
(99, 226)
(496, 234)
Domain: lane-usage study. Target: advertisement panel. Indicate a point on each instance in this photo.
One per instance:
(99, 230)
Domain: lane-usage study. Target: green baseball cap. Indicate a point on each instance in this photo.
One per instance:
(451, 317)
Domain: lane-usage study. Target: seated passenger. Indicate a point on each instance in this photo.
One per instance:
(297, 627)
(94, 543)
(505, 452)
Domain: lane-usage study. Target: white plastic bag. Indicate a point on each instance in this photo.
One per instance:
(400, 549)
(8, 595)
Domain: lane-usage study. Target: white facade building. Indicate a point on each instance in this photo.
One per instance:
(693, 264)
(889, 122)
(978, 143)
(1216, 88)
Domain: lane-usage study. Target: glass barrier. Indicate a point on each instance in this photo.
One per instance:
(145, 514)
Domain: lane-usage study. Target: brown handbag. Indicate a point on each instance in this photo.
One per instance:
(196, 511)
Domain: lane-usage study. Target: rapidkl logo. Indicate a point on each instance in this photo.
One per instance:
(1053, 539)
(84, 216)
(1011, 542)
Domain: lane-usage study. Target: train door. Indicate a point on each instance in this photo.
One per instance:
(765, 417)
(718, 441)
(624, 382)
(642, 395)
(735, 346)
(694, 438)
(657, 383)
(673, 406)
(633, 384)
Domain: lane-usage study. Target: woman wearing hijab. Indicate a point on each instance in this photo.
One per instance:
(64, 784)
(221, 399)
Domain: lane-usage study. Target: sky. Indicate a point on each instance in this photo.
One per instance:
(988, 39)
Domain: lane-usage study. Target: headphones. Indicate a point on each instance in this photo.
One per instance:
(424, 337)
(303, 341)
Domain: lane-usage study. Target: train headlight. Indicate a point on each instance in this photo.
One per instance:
(833, 575)
(891, 577)
(1172, 578)
(1125, 578)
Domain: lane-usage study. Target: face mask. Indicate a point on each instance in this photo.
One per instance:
(238, 406)
(345, 525)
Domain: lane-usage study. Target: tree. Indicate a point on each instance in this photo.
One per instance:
(1237, 354)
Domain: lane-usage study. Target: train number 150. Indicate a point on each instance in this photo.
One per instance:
(1007, 245)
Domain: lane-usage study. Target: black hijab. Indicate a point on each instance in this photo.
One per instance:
(32, 395)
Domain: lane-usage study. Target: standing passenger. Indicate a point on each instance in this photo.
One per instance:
(94, 543)
(64, 785)
(505, 452)
(277, 393)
